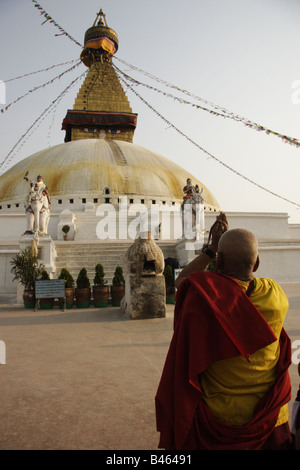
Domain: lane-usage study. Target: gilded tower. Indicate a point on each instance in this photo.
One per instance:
(101, 109)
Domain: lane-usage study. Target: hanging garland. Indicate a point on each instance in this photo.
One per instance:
(27, 134)
(210, 155)
(39, 71)
(169, 95)
(225, 113)
(40, 86)
(52, 21)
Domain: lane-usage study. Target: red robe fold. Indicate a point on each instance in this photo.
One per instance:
(206, 331)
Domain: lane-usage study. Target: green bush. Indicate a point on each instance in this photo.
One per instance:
(26, 268)
(67, 277)
(82, 280)
(99, 275)
(45, 276)
(118, 279)
(169, 277)
(66, 228)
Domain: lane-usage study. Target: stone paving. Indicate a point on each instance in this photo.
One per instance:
(86, 378)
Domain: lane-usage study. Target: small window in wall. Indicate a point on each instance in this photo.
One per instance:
(130, 201)
(95, 200)
(173, 203)
(71, 201)
(106, 191)
(142, 201)
(8, 206)
(107, 200)
(83, 200)
(59, 201)
(163, 203)
(153, 201)
(17, 205)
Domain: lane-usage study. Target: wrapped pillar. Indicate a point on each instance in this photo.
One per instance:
(145, 291)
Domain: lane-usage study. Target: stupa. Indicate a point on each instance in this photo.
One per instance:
(98, 161)
(101, 184)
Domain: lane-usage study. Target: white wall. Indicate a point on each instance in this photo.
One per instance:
(279, 243)
(6, 278)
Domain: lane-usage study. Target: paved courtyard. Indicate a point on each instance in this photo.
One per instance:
(87, 378)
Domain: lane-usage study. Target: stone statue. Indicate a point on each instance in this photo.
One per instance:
(37, 207)
(189, 190)
(191, 200)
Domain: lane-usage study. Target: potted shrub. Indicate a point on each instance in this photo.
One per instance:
(45, 304)
(69, 288)
(170, 285)
(100, 290)
(66, 229)
(117, 289)
(26, 270)
(83, 289)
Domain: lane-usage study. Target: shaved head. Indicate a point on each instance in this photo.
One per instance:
(238, 253)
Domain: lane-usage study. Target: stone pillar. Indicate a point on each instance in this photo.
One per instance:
(145, 291)
(189, 245)
(46, 250)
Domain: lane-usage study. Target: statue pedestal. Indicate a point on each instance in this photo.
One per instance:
(189, 246)
(45, 248)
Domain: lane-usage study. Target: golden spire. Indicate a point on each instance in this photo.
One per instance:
(101, 108)
(100, 42)
(101, 21)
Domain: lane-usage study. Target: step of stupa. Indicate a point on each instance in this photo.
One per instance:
(74, 256)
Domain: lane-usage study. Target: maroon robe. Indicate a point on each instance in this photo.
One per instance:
(214, 320)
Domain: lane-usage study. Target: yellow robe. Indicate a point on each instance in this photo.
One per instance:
(233, 387)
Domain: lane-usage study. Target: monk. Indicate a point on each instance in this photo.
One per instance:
(225, 383)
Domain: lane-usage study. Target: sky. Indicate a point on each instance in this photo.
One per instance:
(242, 55)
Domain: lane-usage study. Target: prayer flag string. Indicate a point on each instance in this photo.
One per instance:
(169, 95)
(210, 155)
(52, 21)
(37, 122)
(39, 71)
(223, 111)
(40, 86)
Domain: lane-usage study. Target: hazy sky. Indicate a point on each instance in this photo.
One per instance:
(242, 55)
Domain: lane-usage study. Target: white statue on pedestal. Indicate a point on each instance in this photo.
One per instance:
(192, 208)
(37, 207)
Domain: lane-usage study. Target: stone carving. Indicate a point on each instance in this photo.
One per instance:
(145, 292)
(192, 194)
(37, 207)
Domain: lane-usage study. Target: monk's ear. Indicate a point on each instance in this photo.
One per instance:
(255, 268)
